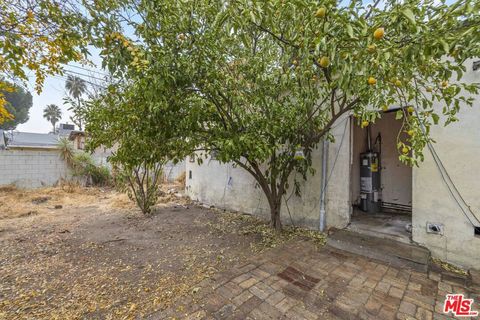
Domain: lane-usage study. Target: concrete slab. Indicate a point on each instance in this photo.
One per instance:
(395, 253)
(383, 225)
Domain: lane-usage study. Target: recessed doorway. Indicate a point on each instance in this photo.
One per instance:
(381, 192)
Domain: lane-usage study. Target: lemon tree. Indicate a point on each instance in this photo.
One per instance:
(260, 83)
(36, 38)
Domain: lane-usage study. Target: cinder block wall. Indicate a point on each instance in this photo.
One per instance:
(32, 168)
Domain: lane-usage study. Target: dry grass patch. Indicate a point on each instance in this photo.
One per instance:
(17, 202)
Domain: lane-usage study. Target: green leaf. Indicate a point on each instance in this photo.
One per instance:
(409, 15)
(435, 118)
(350, 30)
(399, 115)
(445, 45)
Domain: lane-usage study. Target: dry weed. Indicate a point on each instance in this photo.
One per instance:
(449, 267)
(228, 222)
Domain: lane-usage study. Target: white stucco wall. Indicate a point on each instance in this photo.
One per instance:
(173, 171)
(339, 206)
(458, 146)
(224, 186)
(101, 155)
(31, 168)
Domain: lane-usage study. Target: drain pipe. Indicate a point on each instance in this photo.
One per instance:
(324, 184)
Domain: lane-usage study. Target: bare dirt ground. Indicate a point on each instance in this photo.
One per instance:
(70, 252)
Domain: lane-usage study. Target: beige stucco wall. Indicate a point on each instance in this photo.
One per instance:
(458, 146)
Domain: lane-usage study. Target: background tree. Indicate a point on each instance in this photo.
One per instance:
(261, 83)
(39, 37)
(76, 87)
(53, 114)
(18, 104)
(139, 154)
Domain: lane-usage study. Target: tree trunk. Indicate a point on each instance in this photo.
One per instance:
(275, 207)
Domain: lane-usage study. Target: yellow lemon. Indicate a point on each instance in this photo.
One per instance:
(364, 123)
(410, 132)
(321, 12)
(410, 109)
(379, 33)
(371, 48)
(324, 62)
(405, 150)
(372, 81)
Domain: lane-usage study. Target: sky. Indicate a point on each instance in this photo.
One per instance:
(54, 92)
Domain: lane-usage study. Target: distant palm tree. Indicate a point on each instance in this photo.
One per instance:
(53, 114)
(76, 87)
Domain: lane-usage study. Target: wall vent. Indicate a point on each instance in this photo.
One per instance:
(435, 228)
(476, 231)
(476, 65)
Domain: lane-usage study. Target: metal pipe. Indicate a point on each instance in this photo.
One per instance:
(369, 139)
(324, 184)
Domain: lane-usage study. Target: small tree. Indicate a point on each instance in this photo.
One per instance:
(139, 153)
(142, 182)
(260, 82)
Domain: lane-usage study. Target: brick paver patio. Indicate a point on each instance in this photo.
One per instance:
(299, 281)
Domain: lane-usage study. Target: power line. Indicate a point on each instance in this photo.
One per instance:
(85, 75)
(86, 69)
(89, 82)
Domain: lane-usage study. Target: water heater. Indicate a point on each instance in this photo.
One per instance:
(370, 182)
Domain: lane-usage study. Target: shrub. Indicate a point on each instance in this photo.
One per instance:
(101, 176)
(84, 166)
(66, 150)
(141, 183)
